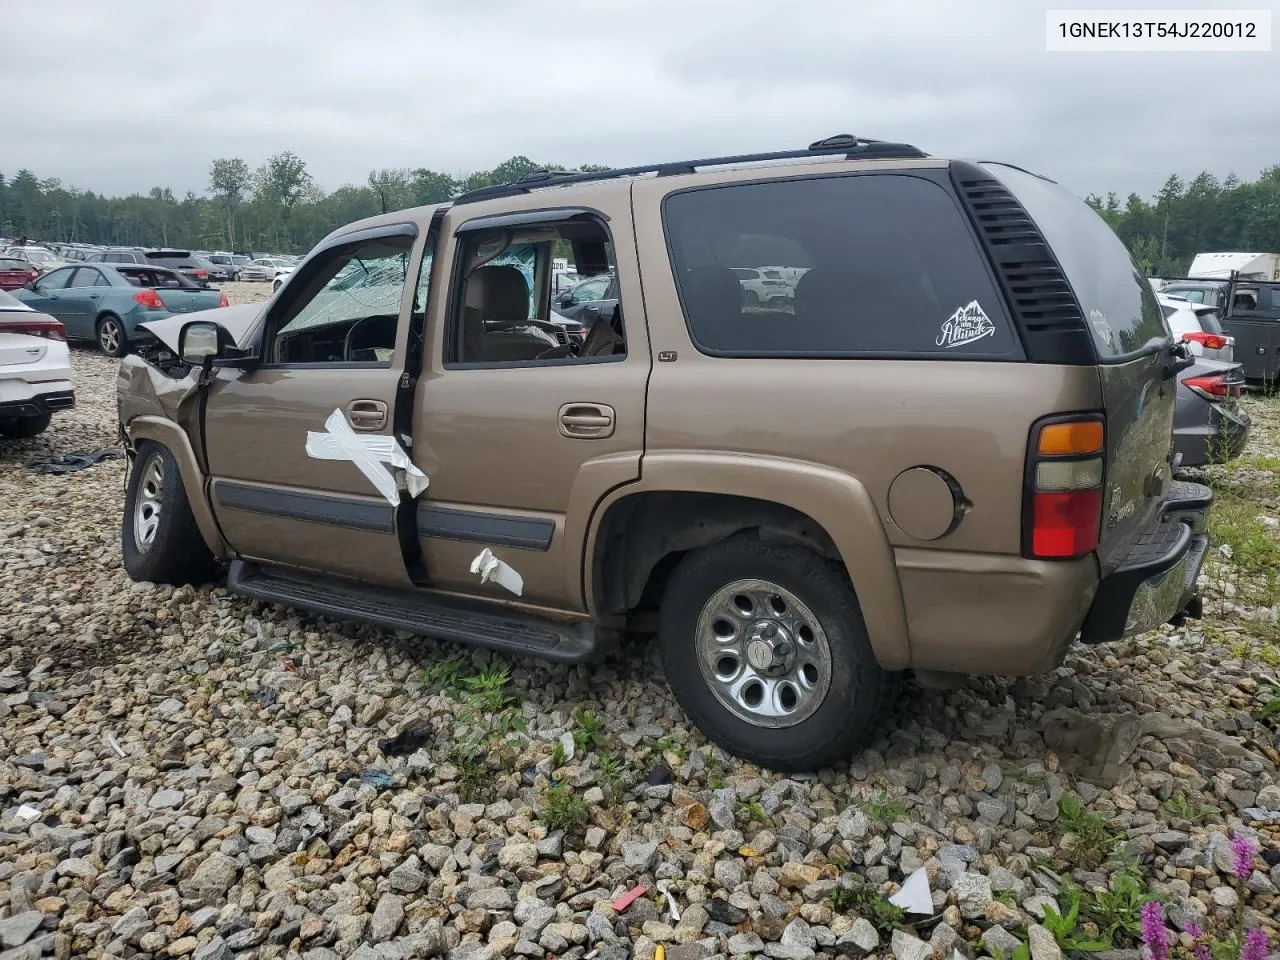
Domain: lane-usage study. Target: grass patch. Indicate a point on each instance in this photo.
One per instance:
(1094, 839)
(855, 894)
(881, 808)
(562, 809)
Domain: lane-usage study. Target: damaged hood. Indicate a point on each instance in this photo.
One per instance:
(237, 321)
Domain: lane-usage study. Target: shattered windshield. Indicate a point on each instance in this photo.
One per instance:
(368, 283)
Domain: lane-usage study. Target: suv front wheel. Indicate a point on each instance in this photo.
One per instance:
(160, 540)
(765, 649)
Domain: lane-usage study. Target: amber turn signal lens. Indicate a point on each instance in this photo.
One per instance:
(1066, 439)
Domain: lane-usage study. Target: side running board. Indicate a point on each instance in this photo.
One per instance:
(429, 615)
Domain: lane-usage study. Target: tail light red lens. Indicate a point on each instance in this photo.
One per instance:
(223, 301)
(1210, 341)
(201, 272)
(149, 299)
(49, 329)
(1214, 387)
(1065, 473)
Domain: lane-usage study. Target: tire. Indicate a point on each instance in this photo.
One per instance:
(751, 298)
(24, 428)
(821, 727)
(159, 537)
(111, 337)
(275, 284)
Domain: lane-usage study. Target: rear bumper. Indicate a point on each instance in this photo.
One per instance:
(1220, 439)
(38, 404)
(1157, 579)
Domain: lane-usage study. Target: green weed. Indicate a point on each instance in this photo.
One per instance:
(562, 809)
(1095, 841)
(881, 808)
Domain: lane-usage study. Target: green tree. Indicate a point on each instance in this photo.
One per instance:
(229, 182)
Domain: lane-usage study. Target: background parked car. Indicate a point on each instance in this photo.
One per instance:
(229, 263)
(15, 273)
(1209, 425)
(1198, 326)
(38, 257)
(213, 271)
(265, 268)
(180, 260)
(107, 303)
(35, 369)
(588, 300)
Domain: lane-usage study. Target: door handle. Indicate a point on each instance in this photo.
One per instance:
(586, 421)
(370, 415)
(94, 296)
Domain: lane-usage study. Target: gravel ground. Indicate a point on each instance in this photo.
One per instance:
(186, 773)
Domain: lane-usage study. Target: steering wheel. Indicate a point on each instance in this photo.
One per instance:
(348, 349)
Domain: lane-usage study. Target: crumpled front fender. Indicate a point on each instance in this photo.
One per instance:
(154, 406)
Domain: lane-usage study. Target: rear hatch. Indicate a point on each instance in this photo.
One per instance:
(180, 260)
(1136, 358)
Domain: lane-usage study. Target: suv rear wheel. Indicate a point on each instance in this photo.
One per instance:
(765, 649)
(160, 540)
(23, 428)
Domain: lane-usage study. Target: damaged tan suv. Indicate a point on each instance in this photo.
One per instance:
(941, 443)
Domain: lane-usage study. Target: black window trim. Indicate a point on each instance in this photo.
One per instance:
(938, 176)
(401, 229)
(453, 307)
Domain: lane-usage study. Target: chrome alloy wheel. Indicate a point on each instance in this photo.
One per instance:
(763, 653)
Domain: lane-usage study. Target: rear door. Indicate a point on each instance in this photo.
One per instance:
(80, 299)
(1133, 346)
(290, 483)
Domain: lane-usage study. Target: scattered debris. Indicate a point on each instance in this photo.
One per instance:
(671, 900)
(378, 779)
(659, 776)
(407, 741)
(28, 812)
(915, 896)
(492, 569)
(630, 897)
(115, 746)
(71, 462)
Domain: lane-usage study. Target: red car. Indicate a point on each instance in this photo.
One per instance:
(16, 273)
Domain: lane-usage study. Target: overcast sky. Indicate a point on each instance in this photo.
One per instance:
(118, 96)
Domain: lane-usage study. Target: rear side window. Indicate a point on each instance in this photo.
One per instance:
(857, 265)
(1121, 310)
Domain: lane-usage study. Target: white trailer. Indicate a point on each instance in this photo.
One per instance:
(1220, 266)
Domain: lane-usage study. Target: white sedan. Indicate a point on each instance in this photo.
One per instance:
(35, 369)
(266, 268)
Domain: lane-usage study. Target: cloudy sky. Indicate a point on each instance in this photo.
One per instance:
(119, 96)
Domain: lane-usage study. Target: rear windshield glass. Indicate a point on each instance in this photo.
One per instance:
(173, 260)
(156, 278)
(856, 265)
(1123, 313)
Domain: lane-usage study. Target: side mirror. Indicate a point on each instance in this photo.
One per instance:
(565, 300)
(30, 285)
(199, 341)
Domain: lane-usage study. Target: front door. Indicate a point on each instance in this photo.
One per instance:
(522, 439)
(295, 480)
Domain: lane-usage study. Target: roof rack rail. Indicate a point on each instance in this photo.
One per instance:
(843, 143)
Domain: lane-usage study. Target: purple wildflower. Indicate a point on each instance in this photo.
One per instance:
(1255, 946)
(1203, 951)
(1154, 934)
(1193, 931)
(1242, 851)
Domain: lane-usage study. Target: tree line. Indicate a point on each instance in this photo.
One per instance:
(278, 207)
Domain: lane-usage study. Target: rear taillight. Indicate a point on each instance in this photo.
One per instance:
(223, 301)
(200, 272)
(50, 329)
(149, 299)
(1064, 487)
(1210, 341)
(1214, 387)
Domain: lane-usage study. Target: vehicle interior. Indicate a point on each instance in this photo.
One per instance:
(503, 294)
